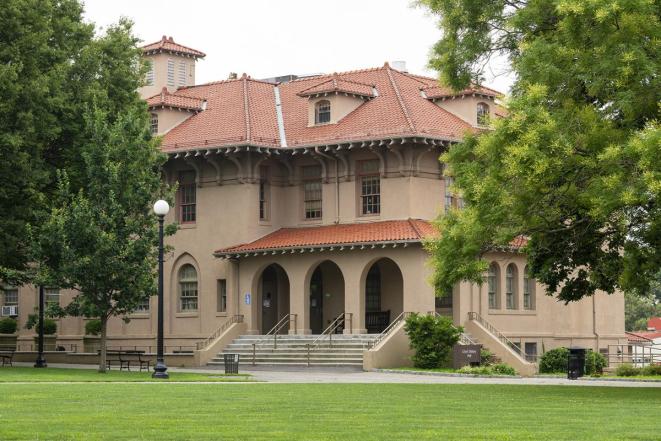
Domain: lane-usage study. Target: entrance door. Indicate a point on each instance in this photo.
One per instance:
(316, 302)
(269, 299)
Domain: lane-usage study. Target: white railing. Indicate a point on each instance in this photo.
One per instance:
(340, 320)
(389, 329)
(496, 333)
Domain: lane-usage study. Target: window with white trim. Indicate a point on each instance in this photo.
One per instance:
(312, 192)
(531, 351)
(11, 295)
(52, 296)
(322, 112)
(187, 197)
(222, 295)
(370, 187)
(187, 288)
(264, 193)
(170, 72)
(492, 286)
(482, 114)
(143, 306)
(153, 123)
(151, 73)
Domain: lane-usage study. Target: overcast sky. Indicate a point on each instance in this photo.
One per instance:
(267, 38)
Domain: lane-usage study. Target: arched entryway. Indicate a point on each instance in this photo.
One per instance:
(273, 299)
(384, 295)
(326, 296)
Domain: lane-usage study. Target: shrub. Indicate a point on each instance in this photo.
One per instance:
(488, 357)
(8, 325)
(653, 369)
(627, 370)
(93, 327)
(50, 327)
(594, 363)
(496, 369)
(503, 369)
(432, 338)
(554, 360)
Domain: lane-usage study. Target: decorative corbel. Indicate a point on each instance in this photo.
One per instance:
(217, 166)
(198, 172)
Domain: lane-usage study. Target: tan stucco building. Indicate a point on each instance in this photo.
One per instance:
(309, 199)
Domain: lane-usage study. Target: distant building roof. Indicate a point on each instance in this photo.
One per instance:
(167, 44)
(167, 99)
(654, 324)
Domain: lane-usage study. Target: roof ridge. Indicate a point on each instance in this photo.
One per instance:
(246, 107)
(369, 69)
(229, 80)
(400, 100)
(415, 227)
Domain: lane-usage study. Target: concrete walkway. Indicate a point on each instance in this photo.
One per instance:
(358, 376)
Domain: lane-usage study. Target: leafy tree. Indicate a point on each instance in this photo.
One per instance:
(639, 308)
(575, 164)
(41, 42)
(101, 240)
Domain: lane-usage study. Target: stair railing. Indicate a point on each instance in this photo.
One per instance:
(339, 321)
(499, 335)
(284, 321)
(464, 338)
(218, 332)
(389, 329)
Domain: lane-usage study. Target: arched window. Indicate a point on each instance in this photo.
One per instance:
(510, 286)
(153, 123)
(528, 290)
(322, 113)
(187, 288)
(482, 114)
(492, 284)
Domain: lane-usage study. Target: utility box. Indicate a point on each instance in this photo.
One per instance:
(466, 355)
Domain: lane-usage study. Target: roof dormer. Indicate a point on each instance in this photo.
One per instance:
(168, 110)
(476, 105)
(331, 100)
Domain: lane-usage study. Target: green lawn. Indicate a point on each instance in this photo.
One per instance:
(30, 374)
(262, 411)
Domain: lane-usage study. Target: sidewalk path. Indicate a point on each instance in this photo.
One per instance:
(351, 375)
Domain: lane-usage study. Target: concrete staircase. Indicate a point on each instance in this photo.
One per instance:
(292, 350)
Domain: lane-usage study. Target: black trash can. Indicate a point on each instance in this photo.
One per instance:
(231, 363)
(576, 363)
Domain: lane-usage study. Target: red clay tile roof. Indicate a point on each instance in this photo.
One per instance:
(519, 242)
(410, 230)
(654, 323)
(243, 111)
(643, 336)
(436, 91)
(167, 44)
(336, 84)
(166, 99)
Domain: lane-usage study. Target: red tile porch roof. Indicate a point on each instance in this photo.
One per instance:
(167, 44)
(654, 324)
(409, 230)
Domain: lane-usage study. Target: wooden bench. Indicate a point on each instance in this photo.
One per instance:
(7, 355)
(377, 322)
(123, 359)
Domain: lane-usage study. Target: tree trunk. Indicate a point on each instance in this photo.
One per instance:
(102, 345)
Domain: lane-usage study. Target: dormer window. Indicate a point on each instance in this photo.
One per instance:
(482, 114)
(322, 113)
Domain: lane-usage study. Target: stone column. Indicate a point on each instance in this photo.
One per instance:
(354, 301)
(299, 302)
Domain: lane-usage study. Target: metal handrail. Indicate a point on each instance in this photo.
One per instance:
(340, 320)
(207, 341)
(388, 330)
(287, 319)
(492, 329)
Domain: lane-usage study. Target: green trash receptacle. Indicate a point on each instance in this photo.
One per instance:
(231, 363)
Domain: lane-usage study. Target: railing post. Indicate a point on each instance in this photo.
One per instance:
(308, 346)
(254, 350)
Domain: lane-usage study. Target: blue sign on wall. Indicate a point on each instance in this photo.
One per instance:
(247, 297)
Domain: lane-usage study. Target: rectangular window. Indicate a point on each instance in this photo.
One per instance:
(531, 352)
(52, 296)
(182, 74)
(11, 296)
(222, 295)
(312, 192)
(493, 304)
(509, 292)
(370, 187)
(188, 296)
(151, 74)
(170, 72)
(444, 301)
(153, 123)
(187, 197)
(264, 193)
(451, 198)
(143, 306)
